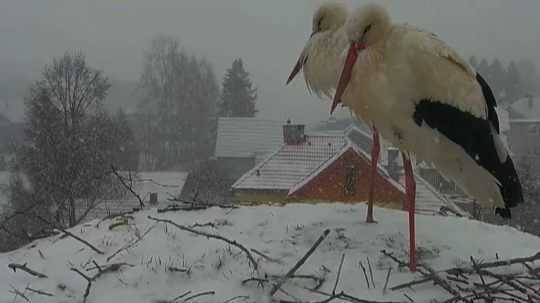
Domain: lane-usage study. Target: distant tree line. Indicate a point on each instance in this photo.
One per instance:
(511, 82)
(177, 116)
(63, 167)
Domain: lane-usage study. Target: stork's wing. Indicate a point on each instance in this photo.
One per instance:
(441, 74)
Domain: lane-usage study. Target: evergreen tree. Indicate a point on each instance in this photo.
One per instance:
(238, 96)
(473, 62)
(514, 89)
(496, 77)
(483, 68)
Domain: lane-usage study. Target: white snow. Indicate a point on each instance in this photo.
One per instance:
(284, 233)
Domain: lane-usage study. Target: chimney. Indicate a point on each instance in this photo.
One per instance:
(530, 101)
(293, 134)
(393, 163)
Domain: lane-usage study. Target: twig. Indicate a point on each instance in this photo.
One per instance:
(127, 186)
(236, 298)
(206, 293)
(181, 296)
(365, 274)
(371, 273)
(128, 246)
(19, 293)
(475, 266)
(338, 274)
(88, 285)
(409, 284)
(69, 234)
(23, 267)
(435, 276)
(265, 256)
(349, 298)
(409, 298)
(217, 237)
(299, 263)
(387, 279)
(40, 292)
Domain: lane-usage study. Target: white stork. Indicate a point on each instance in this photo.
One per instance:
(320, 62)
(425, 99)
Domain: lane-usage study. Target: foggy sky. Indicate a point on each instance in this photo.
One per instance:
(267, 34)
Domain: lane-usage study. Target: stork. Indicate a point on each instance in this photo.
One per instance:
(320, 62)
(426, 100)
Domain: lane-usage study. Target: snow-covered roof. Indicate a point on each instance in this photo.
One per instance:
(165, 183)
(246, 137)
(291, 164)
(526, 109)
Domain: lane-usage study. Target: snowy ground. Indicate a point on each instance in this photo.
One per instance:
(283, 233)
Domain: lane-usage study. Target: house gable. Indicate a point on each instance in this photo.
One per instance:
(329, 182)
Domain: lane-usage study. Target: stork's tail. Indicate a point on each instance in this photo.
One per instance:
(510, 187)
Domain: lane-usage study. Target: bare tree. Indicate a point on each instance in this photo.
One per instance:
(70, 142)
(177, 111)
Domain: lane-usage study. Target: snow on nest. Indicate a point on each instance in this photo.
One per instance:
(284, 233)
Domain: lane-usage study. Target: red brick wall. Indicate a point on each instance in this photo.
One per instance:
(329, 184)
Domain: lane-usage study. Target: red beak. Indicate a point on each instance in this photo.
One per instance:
(297, 68)
(346, 73)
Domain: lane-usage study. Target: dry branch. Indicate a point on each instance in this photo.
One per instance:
(365, 274)
(23, 267)
(386, 280)
(299, 263)
(266, 257)
(206, 293)
(129, 187)
(130, 245)
(40, 292)
(212, 236)
(69, 234)
(338, 274)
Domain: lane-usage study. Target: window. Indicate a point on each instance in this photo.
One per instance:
(351, 180)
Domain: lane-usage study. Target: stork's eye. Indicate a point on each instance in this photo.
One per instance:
(367, 29)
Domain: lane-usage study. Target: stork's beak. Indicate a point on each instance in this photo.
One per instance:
(300, 63)
(297, 68)
(346, 73)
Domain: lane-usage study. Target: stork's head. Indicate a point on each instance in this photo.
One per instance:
(368, 25)
(329, 17)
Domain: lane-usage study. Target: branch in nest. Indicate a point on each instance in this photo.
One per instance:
(40, 292)
(299, 263)
(88, 285)
(213, 236)
(69, 234)
(101, 270)
(266, 257)
(23, 267)
(128, 246)
(129, 187)
(261, 281)
(18, 293)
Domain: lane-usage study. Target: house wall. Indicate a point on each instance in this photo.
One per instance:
(329, 185)
(524, 141)
(260, 196)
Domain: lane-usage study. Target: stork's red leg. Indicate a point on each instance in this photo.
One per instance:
(410, 191)
(375, 150)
